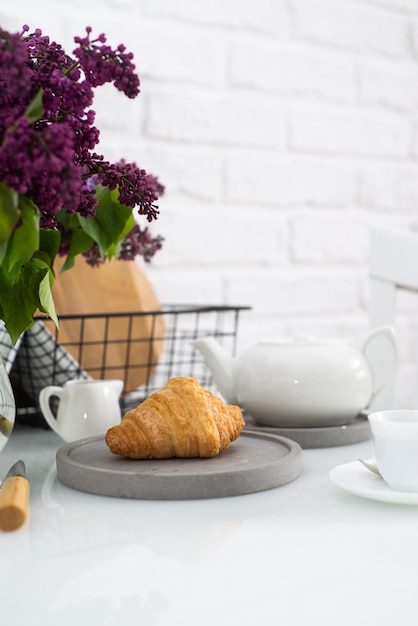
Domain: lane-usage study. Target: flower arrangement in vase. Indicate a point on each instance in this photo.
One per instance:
(58, 197)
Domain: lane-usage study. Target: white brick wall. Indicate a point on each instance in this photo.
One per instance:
(283, 129)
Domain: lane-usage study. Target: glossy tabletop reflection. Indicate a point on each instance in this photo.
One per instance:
(307, 552)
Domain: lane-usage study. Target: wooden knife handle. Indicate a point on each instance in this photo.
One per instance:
(14, 503)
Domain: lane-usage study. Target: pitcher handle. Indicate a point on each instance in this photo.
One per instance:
(44, 395)
(387, 332)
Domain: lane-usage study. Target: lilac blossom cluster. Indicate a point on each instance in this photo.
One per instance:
(139, 242)
(47, 150)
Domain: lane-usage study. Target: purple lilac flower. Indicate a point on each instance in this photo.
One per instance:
(102, 65)
(136, 189)
(93, 256)
(51, 158)
(51, 177)
(139, 242)
(15, 77)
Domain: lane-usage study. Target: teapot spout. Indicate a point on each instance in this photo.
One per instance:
(220, 364)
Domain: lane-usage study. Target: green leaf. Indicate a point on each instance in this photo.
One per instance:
(80, 242)
(109, 224)
(130, 223)
(74, 236)
(35, 110)
(66, 220)
(25, 240)
(113, 249)
(46, 302)
(49, 243)
(31, 291)
(18, 308)
(3, 251)
(9, 212)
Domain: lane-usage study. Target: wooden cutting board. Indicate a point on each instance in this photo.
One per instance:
(115, 287)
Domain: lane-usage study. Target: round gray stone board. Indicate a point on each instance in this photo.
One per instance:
(254, 462)
(354, 431)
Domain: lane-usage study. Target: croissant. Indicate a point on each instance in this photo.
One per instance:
(180, 420)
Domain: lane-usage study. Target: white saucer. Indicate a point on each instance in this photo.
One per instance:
(355, 478)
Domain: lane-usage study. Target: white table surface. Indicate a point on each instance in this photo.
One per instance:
(304, 553)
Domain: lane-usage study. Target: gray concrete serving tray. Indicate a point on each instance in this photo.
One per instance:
(354, 431)
(254, 462)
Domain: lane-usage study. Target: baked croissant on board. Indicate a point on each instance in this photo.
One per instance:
(180, 420)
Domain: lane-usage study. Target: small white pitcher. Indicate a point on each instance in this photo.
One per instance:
(86, 407)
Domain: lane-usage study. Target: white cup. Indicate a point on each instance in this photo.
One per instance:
(395, 435)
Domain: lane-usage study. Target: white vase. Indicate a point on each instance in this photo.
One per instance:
(7, 406)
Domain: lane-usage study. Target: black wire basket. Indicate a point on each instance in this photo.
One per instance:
(143, 349)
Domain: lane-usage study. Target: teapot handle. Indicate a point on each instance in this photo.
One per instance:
(388, 333)
(45, 394)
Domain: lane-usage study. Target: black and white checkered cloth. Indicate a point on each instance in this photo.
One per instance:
(8, 351)
(38, 360)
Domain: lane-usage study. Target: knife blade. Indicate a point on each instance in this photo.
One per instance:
(14, 498)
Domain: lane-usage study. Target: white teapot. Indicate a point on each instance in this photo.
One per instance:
(86, 408)
(299, 383)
